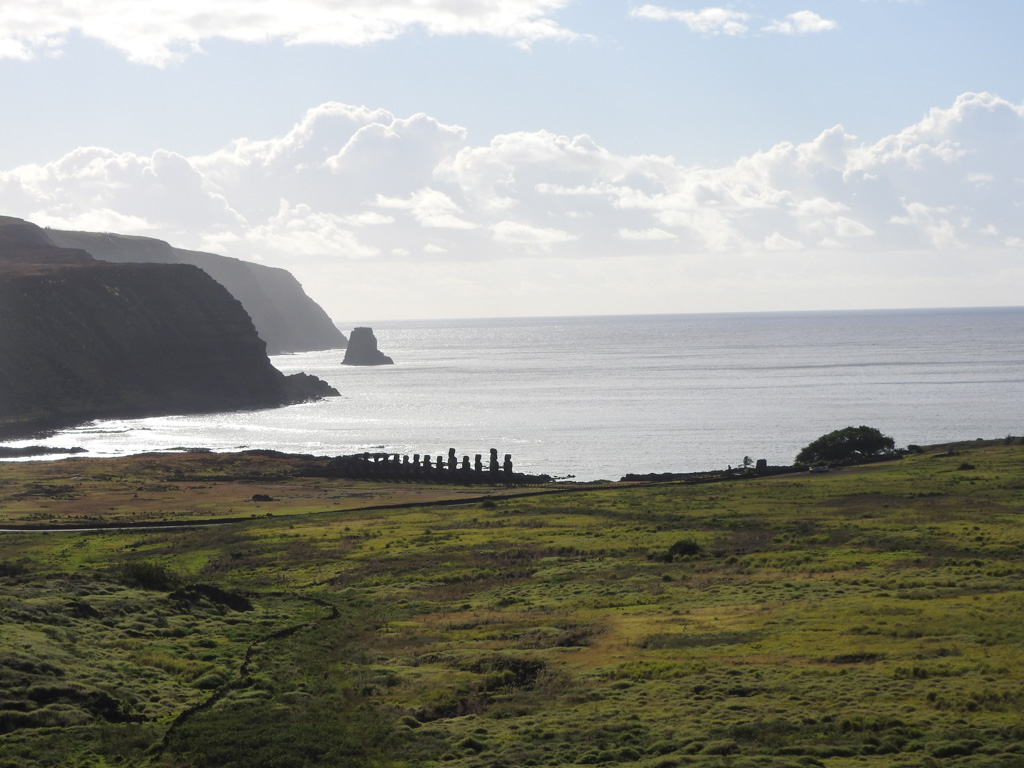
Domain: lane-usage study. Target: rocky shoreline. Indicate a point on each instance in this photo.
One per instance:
(86, 339)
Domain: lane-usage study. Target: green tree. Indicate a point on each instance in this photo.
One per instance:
(846, 445)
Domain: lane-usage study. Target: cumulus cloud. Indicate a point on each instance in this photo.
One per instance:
(801, 23)
(158, 32)
(724, 21)
(709, 21)
(518, 232)
(429, 208)
(779, 242)
(654, 233)
(352, 183)
(301, 231)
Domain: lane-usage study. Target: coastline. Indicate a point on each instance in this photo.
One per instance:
(187, 489)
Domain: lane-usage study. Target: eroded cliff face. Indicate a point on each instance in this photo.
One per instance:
(284, 316)
(82, 339)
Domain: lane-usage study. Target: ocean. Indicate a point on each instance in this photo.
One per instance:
(598, 397)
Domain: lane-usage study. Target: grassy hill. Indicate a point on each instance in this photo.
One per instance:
(864, 617)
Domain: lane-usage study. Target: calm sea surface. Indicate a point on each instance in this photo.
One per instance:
(597, 397)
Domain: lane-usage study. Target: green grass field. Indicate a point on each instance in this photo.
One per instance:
(871, 616)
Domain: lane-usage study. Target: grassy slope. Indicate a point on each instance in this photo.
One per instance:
(867, 617)
(190, 487)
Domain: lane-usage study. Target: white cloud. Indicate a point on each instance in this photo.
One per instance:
(517, 232)
(349, 154)
(159, 32)
(935, 224)
(430, 208)
(355, 183)
(300, 231)
(368, 219)
(98, 220)
(850, 228)
(151, 193)
(709, 21)
(801, 23)
(654, 233)
(778, 242)
(724, 21)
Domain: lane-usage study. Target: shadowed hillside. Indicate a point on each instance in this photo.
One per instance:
(284, 316)
(84, 339)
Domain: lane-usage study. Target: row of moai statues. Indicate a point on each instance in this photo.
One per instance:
(428, 469)
(451, 464)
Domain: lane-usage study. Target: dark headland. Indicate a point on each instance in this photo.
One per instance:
(284, 316)
(86, 339)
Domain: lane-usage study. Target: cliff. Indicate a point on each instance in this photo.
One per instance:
(284, 316)
(362, 349)
(84, 339)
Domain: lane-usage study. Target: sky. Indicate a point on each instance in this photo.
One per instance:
(506, 158)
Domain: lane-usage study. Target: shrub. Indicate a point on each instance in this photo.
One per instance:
(473, 745)
(682, 548)
(720, 747)
(7, 568)
(685, 548)
(145, 575)
(209, 681)
(846, 445)
(955, 748)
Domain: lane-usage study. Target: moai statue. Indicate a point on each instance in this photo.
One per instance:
(405, 459)
(440, 462)
(465, 463)
(478, 463)
(508, 463)
(761, 464)
(426, 462)
(452, 461)
(494, 460)
(415, 459)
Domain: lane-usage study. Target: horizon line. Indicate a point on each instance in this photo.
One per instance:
(852, 310)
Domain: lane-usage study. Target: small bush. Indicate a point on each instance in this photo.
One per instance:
(720, 747)
(209, 681)
(7, 568)
(473, 745)
(682, 548)
(955, 749)
(145, 575)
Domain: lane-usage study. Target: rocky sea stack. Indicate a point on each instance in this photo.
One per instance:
(362, 349)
